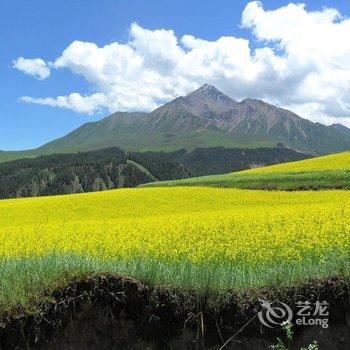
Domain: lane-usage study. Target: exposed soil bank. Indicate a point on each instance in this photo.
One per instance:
(113, 312)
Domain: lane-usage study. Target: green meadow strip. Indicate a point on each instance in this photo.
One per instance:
(308, 180)
(26, 280)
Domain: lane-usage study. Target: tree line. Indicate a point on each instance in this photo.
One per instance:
(114, 168)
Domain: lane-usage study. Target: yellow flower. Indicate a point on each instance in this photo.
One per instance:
(171, 224)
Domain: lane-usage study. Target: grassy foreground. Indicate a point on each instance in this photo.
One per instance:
(191, 237)
(28, 280)
(332, 172)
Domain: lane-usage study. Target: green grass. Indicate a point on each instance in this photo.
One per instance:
(26, 281)
(331, 171)
(6, 156)
(339, 179)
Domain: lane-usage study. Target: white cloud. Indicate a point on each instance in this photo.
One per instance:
(74, 101)
(35, 67)
(316, 51)
(302, 63)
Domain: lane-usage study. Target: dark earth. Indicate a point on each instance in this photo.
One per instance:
(114, 312)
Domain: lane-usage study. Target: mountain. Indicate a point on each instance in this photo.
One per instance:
(186, 122)
(204, 118)
(207, 118)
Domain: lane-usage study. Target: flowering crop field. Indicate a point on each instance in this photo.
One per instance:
(192, 237)
(338, 161)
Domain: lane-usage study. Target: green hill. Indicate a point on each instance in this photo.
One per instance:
(331, 171)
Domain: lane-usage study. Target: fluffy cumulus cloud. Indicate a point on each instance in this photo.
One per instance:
(35, 67)
(301, 62)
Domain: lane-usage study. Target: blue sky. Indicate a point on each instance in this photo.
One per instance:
(44, 28)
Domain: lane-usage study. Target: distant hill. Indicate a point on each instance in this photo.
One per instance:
(204, 118)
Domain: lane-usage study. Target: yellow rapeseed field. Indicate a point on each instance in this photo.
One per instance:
(172, 224)
(338, 161)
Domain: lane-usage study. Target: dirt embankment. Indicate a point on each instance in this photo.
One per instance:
(114, 312)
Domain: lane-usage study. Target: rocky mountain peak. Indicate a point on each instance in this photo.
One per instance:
(207, 90)
(207, 101)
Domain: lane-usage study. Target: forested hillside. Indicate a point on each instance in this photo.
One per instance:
(83, 172)
(114, 168)
(219, 160)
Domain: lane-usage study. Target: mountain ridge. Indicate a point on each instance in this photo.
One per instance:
(342, 128)
(204, 118)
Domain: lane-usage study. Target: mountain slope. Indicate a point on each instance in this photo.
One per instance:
(257, 118)
(95, 135)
